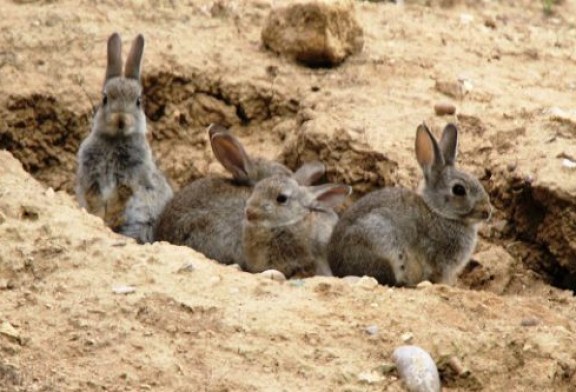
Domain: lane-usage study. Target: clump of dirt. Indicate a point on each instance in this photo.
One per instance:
(44, 136)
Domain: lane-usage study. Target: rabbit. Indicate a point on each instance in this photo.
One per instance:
(206, 215)
(117, 178)
(287, 226)
(401, 237)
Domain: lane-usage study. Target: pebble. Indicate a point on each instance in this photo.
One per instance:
(424, 284)
(123, 289)
(351, 279)
(444, 108)
(568, 163)
(8, 330)
(529, 322)
(367, 282)
(186, 267)
(372, 330)
(417, 369)
(273, 275)
(407, 337)
(236, 267)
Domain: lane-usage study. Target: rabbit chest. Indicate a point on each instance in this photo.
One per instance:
(286, 249)
(110, 174)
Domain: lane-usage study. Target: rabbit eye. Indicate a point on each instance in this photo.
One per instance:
(459, 190)
(138, 101)
(104, 99)
(281, 199)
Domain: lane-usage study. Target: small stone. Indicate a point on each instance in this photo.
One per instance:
(444, 108)
(367, 282)
(372, 330)
(4, 284)
(49, 192)
(450, 88)
(123, 289)
(273, 275)
(529, 322)
(424, 284)
(9, 331)
(351, 279)
(490, 22)
(407, 337)
(317, 33)
(417, 369)
(371, 377)
(568, 163)
(186, 267)
(236, 267)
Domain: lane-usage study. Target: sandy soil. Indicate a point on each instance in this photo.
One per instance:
(190, 324)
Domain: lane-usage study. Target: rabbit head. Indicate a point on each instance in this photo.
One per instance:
(281, 201)
(121, 112)
(452, 193)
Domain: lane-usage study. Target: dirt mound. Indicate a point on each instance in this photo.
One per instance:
(82, 308)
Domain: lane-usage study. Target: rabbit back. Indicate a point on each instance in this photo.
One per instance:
(206, 215)
(392, 235)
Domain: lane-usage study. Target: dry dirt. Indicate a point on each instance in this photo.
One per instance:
(193, 325)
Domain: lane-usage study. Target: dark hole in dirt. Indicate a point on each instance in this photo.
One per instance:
(45, 137)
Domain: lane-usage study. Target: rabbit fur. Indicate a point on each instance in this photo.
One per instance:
(402, 237)
(117, 178)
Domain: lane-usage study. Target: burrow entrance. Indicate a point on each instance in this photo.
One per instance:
(45, 136)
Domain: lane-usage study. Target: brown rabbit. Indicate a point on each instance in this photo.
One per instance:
(287, 226)
(402, 237)
(117, 178)
(206, 215)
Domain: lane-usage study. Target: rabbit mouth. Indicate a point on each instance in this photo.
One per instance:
(480, 214)
(121, 124)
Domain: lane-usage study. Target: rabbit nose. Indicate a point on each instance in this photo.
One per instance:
(250, 214)
(486, 212)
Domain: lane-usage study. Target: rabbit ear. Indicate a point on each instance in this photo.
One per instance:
(216, 128)
(231, 154)
(449, 144)
(114, 65)
(428, 152)
(310, 173)
(330, 195)
(134, 59)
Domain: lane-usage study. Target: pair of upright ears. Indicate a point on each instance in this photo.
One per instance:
(433, 155)
(133, 62)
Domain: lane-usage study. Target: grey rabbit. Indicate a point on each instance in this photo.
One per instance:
(206, 215)
(401, 237)
(117, 178)
(287, 226)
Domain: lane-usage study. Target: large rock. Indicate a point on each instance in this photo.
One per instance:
(319, 33)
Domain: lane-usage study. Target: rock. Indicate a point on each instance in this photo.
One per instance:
(273, 275)
(450, 88)
(444, 108)
(372, 330)
(9, 331)
(317, 33)
(407, 337)
(186, 267)
(417, 369)
(123, 289)
(530, 322)
(367, 282)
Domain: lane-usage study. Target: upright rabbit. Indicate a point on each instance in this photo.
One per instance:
(117, 178)
(206, 215)
(401, 237)
(287, 226)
